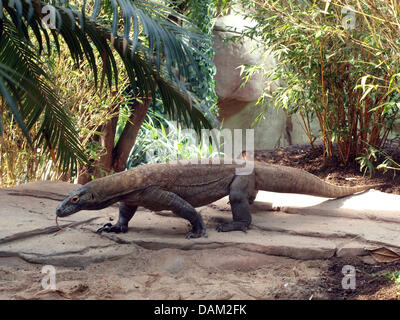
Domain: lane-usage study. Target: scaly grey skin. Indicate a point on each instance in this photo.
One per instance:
(182, 187)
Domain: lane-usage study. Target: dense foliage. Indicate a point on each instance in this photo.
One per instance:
(340, 62)
(203, 83)
(155, 47)
(158, 54)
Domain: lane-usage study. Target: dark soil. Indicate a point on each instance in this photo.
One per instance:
(372, 279)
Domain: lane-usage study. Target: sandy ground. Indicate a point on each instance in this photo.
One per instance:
(171, 274)
(218, 274)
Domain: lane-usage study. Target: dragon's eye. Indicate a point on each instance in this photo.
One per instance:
(74, 199)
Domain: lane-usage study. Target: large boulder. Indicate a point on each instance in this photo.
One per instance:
(237, 103)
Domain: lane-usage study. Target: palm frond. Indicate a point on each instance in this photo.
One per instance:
(30, 96)
(157, 53)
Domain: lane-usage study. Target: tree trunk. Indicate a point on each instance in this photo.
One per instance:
(115, 157)
(129, 134)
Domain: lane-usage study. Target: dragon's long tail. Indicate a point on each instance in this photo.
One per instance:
(292, 180)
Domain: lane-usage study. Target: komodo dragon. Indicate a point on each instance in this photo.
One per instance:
(180, 187)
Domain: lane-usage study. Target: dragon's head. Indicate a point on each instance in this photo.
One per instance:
(80, 199)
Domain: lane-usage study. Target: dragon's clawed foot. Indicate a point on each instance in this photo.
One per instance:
(117, 228)
(196, 233)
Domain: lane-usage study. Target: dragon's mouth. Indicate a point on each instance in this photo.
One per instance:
(64, 212)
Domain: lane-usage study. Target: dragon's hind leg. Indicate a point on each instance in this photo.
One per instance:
(242, 193)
